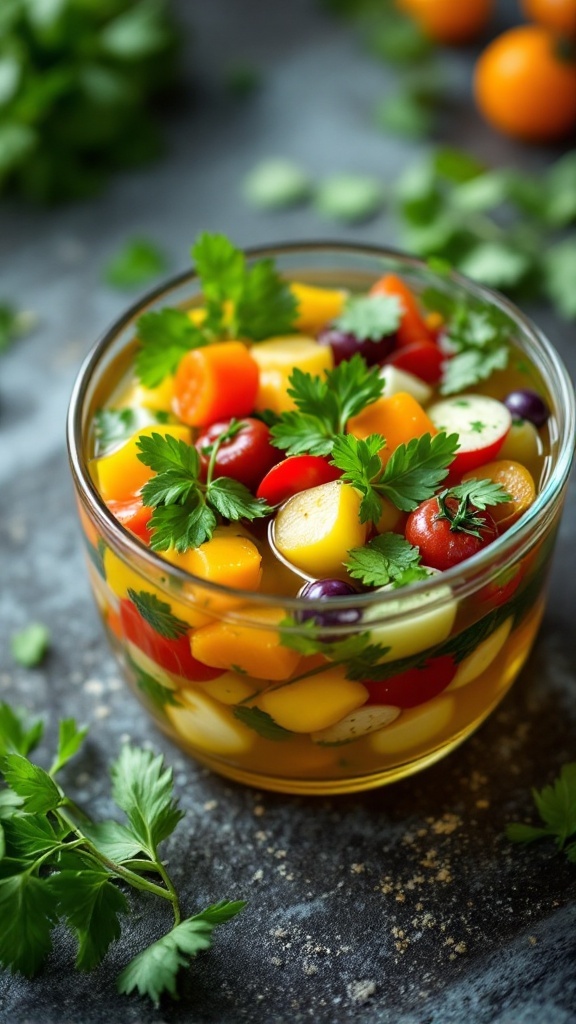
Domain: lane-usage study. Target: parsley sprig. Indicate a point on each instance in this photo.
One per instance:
(370, 317)
(412, 474)
(59, 867)
(324, 405)
(240, 301)
(470, 496)
(556, 805)
(388, 558)
(186, 509)
(478, 337)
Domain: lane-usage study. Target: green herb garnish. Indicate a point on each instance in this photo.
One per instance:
(411, 475)
(275, 184)
(324, 405)
(186, 509)
(480, 340)
(349, 198)
(30, 645)
(370, 317)
(388, 558)
(59, 868)
(556, 805)
(138, 262)
(164, 337)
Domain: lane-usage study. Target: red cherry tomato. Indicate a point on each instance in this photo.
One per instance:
(133, 515)
(503, 586)
(422, 358)
(416, 686)
(440, 546)
(412, 325)
(173, 655)
(246, 457)
(294, 474)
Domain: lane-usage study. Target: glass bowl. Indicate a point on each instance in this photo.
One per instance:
(281, 716)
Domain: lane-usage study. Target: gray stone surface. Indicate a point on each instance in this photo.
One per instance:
(401, 906)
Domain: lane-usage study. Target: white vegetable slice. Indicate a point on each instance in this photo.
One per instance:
(426, 620)
(209, 726)
(481, 658)
(416, 727)
(396, 380)
(481, 423)
(357, 724)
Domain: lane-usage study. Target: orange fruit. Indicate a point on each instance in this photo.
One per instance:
(446, 21)
(559, 15)
(525, 86)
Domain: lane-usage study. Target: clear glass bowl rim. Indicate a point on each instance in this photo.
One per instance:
(462, 579)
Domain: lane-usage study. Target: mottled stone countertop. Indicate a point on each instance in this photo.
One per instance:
(401, 906)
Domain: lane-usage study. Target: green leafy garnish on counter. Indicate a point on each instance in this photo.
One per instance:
(370, 317)
(59, 868)
(412, 474)
(30, 645)
(324, 405)
(186, 509)
(239, 301)
(138, 262)
(276, 183)
(349, 198)
(388, 558)
(556, 805)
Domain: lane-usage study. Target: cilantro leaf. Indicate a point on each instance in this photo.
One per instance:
(164, 337)
(470, 367)
(261, 722)
(19, 734)
(556, 805)
(385, 559)
(181, 526)
(114, 425)
(234, 501)
(154, 970)
(30, 645)
(361, 465)
(138, 262)
(90, 903)
(370, 317)
(220, 266)
(324, 406)
(266, 306)
(39, 792)
(28, 913)
(158, 614)
(481, 493)
(142, 788)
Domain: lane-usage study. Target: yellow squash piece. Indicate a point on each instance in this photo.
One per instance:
(121, 578)
(209, 726)
(427, 616)
(316, 528)
(276, 360)
(229, 688)
(121, 475)
(253, 650)
(229, 558)
(316, 306)
(315, 703)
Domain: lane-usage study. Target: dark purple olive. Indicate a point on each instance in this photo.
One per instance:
(324, 590)
(527, 405)
(344, 345)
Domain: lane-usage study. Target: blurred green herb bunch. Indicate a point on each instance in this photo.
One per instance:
(77, 78)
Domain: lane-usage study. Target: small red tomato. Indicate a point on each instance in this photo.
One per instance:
(133, 515)
(503, 586)
(173, 655)
(246, 456)
(294, 474)
(442, 543)
(422, 358)
(415, 686)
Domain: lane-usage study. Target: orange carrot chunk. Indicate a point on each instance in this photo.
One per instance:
(214, 383)
(412, 325)
(514, 478)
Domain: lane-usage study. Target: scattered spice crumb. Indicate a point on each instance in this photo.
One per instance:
(360, 991)
(102, 711)
(258, 811)
(210, 805)
(357, 869)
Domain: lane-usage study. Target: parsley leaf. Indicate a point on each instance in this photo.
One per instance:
(185, 510)
(13, 324)
(158, 614)
(164, 336)
(138, 262)
(556, 805)
(154, 970)
(266, 306)
(385, 559)
(91, 904)
(30, 645)
(481, 493)
(28, 912)
(324, 405)
(480, 340)
(411, 475)
(38, 790)
(220, 266)
(70, 739)
(142, 788)
(370, 317)
(275, 184)
(18, 734)
(262, 723)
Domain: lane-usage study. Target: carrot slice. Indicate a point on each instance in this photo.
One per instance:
(412, 326)
(398, 418)
(514, 478)
(215, 382)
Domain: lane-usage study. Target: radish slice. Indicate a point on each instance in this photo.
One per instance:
(396, 380)
(358, 723)
(481, 423)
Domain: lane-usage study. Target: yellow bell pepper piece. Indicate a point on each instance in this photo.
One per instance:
(315, 703)
(255, 650)
(229, 558)
(316, 306)
(398, 418)
(121, 475)
(229, 688)
(121, 577)
(276, 360)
